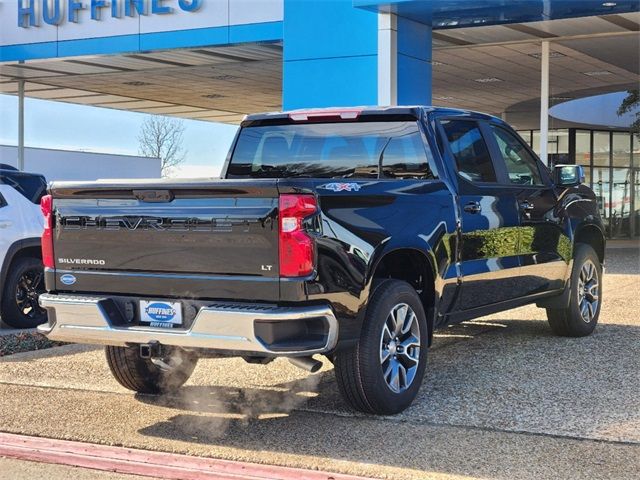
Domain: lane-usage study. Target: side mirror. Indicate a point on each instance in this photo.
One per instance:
(568, 175)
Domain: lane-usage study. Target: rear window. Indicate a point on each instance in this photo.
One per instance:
(331, 150)
(30, 186)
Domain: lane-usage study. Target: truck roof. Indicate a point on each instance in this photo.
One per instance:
(352, 113)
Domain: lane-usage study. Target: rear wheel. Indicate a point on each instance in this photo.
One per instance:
(580, 317)
(24, 283)
(163, 374)
(383, 372)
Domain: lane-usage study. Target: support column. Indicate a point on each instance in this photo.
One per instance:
(338, 55)
(414, 62)
(404, 61)
(387, 59)
(544, 103)
(330, 55)
(20, 124)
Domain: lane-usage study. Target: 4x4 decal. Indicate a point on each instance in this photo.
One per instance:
(341, 187)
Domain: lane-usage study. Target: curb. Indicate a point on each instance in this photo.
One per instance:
(147, 463)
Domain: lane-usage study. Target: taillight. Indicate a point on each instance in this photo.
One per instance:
(46, 205)
(297, 247)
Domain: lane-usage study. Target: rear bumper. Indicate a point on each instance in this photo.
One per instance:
(250, 328)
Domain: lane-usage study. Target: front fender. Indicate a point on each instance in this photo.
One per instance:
(578, 207)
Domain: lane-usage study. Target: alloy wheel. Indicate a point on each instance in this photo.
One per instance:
(588, 291)
(400, 348)
(29, 288)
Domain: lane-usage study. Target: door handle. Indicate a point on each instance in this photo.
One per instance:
(473, 207)
(5, 223)
(526, 206)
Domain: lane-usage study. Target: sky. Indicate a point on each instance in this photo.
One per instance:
(67, 126)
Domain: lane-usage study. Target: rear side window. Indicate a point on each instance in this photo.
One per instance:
(405, 157)
(469, 150)
(331, 150)
(30, 186)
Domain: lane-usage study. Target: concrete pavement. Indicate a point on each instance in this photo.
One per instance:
(502, 398)
(11, 469)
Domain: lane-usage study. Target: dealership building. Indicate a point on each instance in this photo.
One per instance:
(557, 70)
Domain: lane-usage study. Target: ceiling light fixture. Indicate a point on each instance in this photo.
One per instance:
(488, 80)
(598, 73)
(551, 55)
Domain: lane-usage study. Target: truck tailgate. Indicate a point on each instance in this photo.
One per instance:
(203, 240)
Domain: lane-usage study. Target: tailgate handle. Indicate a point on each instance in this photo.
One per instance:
(153, 196)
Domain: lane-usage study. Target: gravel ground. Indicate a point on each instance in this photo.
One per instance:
(16, 341)
(502, 398)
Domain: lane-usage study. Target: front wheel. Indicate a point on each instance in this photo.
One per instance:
(383, 372)
(164, 374)
(580, 317)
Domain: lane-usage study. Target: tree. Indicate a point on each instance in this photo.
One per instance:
(161, 137)
(629, 104)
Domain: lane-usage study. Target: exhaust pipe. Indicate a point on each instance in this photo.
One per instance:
(309, 364)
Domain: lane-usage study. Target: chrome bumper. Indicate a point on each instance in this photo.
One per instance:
(229, 327)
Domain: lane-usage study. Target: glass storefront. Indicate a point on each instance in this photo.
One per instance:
(557, 146)
(601, 148)
(635, 181)
(612, 168)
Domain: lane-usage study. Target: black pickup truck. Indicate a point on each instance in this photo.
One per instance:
(349, 233)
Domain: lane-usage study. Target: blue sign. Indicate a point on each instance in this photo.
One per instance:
(53, 12)
(68, 279)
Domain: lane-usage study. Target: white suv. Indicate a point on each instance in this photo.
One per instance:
(21, 225)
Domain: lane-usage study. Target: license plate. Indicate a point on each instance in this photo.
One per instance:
(159, 313)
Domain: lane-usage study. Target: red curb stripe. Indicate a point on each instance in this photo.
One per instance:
(146, 463)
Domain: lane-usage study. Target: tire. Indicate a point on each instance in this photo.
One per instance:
(580, 317)
(366, 381)
(143, 375)
(24, 283)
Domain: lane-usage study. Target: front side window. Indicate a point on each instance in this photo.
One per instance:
(331, 150)
(469, 150)
(522, 167)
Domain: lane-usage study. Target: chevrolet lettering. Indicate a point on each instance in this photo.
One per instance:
(154, 223)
